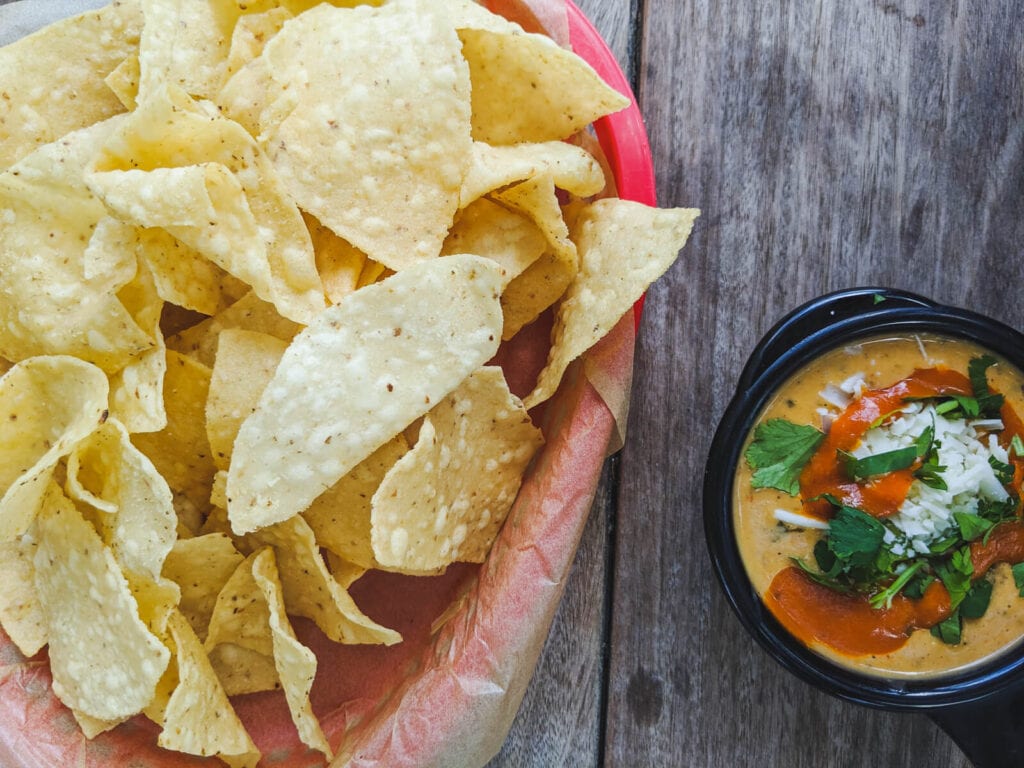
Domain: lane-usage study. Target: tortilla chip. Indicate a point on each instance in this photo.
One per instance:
(245, 364)
(373, 272)
(642, 242)
(201, 567)
(488, 229)
(296, 664)
(124, 81)
(105, 661)
(251, 34)
(137, 521)
(250, 623)
(311, 591)
(177, 164)
(184, 276)
(199, 719)
(339, 263)
(47, 405)
(362, 372)
(52, 80)
(570, 167)
(546, 279)
(340, 517)
(21, 615)
(249, 313)
(242, 670)
(527, 88)
(351, 155)
(92, 726)
(136, 391)
(185, 42)
(445, 500)
(62, 298)
(181, 451)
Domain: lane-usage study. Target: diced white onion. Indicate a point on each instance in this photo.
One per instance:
(833, 395)
(800, 521)
(988, 425)
(853, 385)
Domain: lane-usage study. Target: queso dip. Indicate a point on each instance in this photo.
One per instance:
(888, 541)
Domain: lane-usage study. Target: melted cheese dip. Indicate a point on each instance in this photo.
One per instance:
(767, 546)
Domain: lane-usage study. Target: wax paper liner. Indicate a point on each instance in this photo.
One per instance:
(448, 694)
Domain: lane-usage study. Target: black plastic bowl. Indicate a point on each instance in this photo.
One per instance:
(983, 708)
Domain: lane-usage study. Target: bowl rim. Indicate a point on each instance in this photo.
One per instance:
(812, 329)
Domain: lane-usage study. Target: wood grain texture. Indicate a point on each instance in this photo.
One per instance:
(560, 720)
(830, 145)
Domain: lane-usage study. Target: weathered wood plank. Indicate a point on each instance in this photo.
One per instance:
(829, 145)
(560, 720)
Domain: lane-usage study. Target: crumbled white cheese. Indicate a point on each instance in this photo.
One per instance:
(835, 396)
(964, 449)
(854, 385)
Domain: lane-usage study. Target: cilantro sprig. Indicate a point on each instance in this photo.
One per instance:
(930, 471)
(877, 463)
(924, 450)
(989, 403)
(779, 452)
(854, 557)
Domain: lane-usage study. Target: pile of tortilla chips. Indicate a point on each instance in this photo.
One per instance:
(257, 260)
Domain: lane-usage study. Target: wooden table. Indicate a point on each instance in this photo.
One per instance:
(829, 145)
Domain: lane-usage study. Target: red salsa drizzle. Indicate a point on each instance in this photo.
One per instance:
(846, 622)
(881, 496)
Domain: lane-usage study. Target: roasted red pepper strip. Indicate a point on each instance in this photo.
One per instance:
(847, 623)
(1012, 427)
(1004, 545)
(876, 496)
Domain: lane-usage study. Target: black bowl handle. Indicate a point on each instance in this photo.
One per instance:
(819, 314)
(987, 730)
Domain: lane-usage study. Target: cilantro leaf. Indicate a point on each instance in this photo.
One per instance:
(778, 453)
(1018, 577)
(1003, 471)
(855, 537)
(972, 526)
(976, 602)
(826, 559)
(943, 545)
(879, 463)
(958, 407)
(916, 588)
(926, 440)
(956, 575)
(948, 631)
(989, 403)
(930, 471)
(998, 511)
(886, 595)
(977, 372)
(821, 578)
(925, 447)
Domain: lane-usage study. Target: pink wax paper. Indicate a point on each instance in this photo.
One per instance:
(446, 695)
